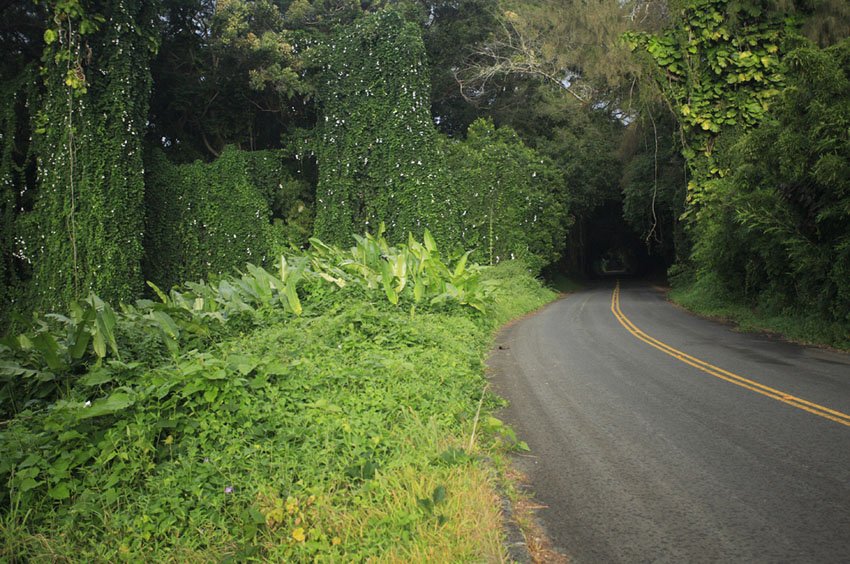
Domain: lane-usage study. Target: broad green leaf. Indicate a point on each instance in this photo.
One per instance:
(106, 322)
(215, 374)
(28, 484)
(242, 364)
(387, 279)
(82, 336)
(117, 401)
(24, 343)
(460, 267)
(193, 387)
(97, 377)
(99, 344)
(59, 492)
(11, 368)
(158, 292)
(49, 348)
(166, 323)
(430, 244)
(69, 436)
(418, 290)
(292, 297)
(210, 394)
(400, 271)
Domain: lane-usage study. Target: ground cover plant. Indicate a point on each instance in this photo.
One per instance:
(708, 298)
(331, 408)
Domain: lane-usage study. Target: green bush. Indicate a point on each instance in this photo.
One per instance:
(376, 144)
(205, 218)
(289, 198)
(777, 233)
(505, 204)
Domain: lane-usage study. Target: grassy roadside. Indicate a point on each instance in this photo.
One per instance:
(704, 300)
(339, 434)
(563, 284)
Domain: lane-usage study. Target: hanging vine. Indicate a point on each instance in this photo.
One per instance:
(209, 218)
(75, 82)
(717, 70)
(15, 163)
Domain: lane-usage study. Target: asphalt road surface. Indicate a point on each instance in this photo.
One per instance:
(657, 436)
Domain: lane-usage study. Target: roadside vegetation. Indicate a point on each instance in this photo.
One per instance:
(763, 124)
(705, 299)
(773, 252)
(333, 408)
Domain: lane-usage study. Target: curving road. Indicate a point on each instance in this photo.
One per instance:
(657, 436)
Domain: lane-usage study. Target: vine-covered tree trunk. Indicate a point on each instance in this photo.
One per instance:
(85, 232)
(377, 147)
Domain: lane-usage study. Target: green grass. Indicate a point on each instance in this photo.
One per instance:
(517, 293)
(703, 298)
(340, 434)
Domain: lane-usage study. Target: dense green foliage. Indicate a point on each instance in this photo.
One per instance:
(288, 196)
(269, 415)
(376, 151)
(582, 143)
(380, 159)
(82, 215)
(15, 160)
(323, 408)
(718, 69)
(763, 132)
(205, 218)
(324, 404)
(780, 236)
(228, 74)
(510, 199)
(85, 230)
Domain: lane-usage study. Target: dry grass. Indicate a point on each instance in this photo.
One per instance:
(524, 509)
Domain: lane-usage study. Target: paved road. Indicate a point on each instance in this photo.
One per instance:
(641, 457)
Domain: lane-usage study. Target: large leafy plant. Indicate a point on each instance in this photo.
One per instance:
(39, 364)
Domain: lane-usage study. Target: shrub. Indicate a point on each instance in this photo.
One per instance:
(506, 203)
(204, 218)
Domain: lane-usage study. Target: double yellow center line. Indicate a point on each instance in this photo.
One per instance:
(717, 372)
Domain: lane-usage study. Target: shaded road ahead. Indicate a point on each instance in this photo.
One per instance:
(641, 457)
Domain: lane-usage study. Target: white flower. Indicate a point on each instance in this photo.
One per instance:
(87, 404)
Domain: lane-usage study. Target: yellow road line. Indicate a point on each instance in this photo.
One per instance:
(718, 372)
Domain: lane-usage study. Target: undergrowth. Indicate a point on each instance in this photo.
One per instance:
(331, 410)
(705, 297)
